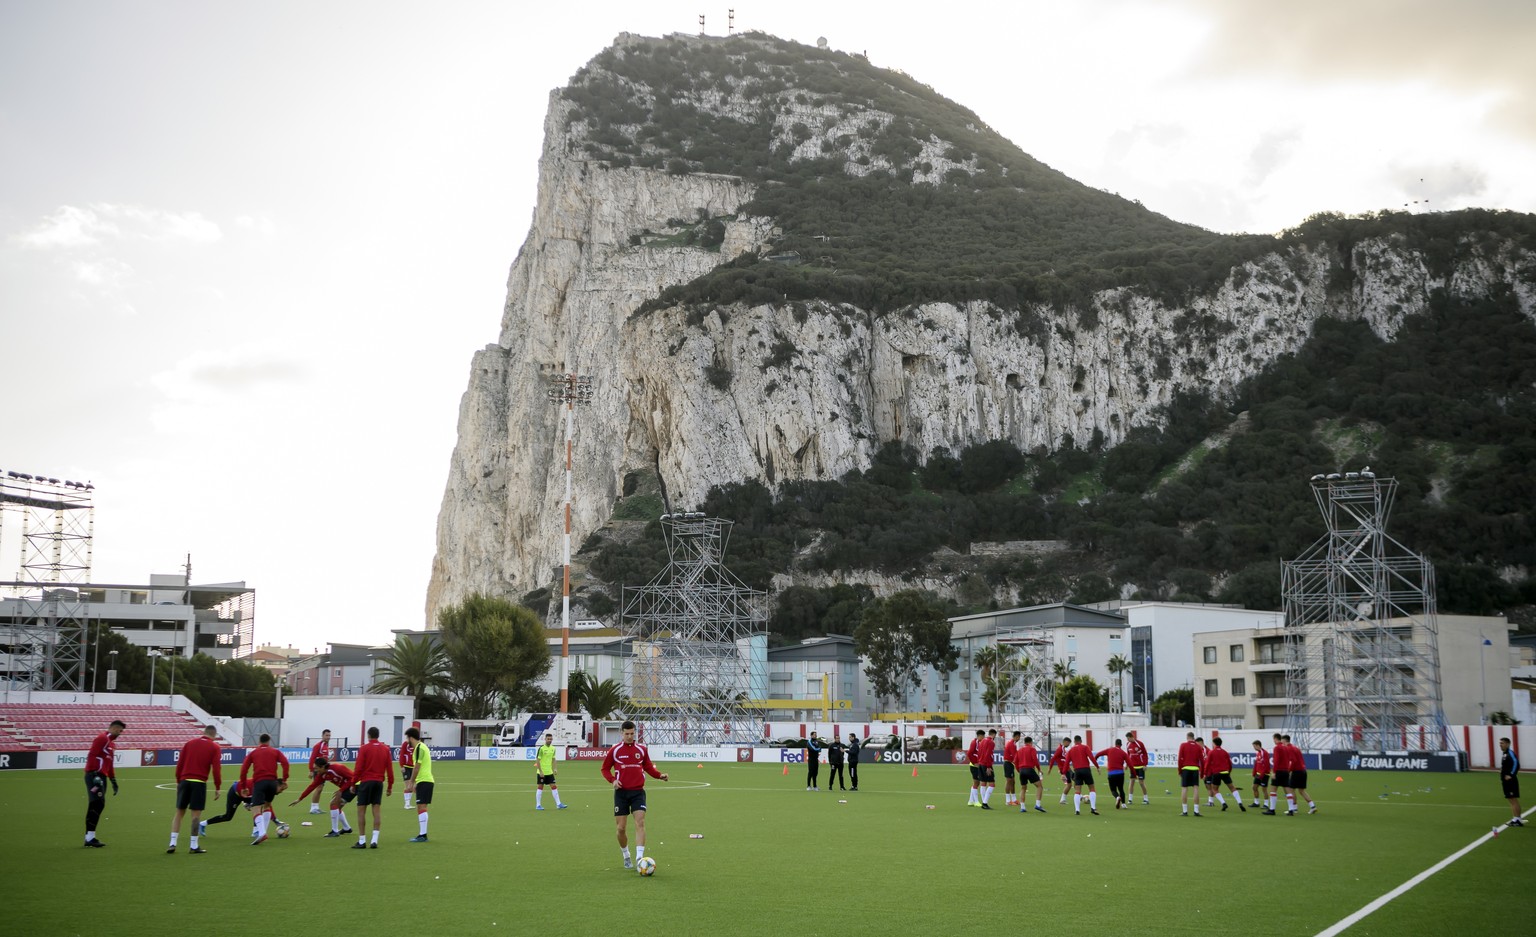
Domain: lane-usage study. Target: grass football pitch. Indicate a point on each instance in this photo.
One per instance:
(776, 859)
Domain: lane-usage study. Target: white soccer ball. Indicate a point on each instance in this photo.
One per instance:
(283, 831)
(646, 866)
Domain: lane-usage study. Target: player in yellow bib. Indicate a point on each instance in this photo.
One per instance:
(422, 781)
(545, 773)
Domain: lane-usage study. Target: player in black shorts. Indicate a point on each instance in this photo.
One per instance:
(1509, 777)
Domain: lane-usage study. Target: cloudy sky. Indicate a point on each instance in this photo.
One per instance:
(247, 248)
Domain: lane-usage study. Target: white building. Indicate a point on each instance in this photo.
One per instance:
(1240, 674)
(1162, 635)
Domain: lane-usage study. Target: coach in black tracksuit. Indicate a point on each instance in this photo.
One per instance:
(835, 762)
(853, 760)
(812, 761)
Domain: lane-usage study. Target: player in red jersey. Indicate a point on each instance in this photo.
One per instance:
(1027, 759)
(99, 771)
(1136, 766)
(263, 763)
(198, 758)
(407, 758)
(1280, 777)
(1191, 759)
(1059, 761)
(973, 761)
(1010, 753)
(1297, 780)
(1080, 759)
(625, 767)
(320, 752)
(1115, 760)
(1260, 773)
(340, 777)
(374, 766)
(1218, 771)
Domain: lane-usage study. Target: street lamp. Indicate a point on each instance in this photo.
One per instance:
(1483, 666)
(172, 665)
(154, 655)
(569, 389)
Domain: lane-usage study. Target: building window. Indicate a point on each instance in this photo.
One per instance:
(1210, 655)
(1235, 653)
(1210, 685)
(1239, 687)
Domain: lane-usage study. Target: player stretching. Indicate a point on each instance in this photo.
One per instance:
(982, 778)
(1028, 760)
(1191, 757)
(320, 752)
(625, 767)
(1136, 766)
(408, 769)
(262, 763)
(1260, 773)
(1218, 771)
(1115, 762)
(1059, 761)
(1298, 785)
(341, 778)
(1080, 758)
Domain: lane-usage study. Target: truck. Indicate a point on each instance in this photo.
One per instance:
(527, 730)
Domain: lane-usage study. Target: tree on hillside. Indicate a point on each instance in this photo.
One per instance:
(900, 634)
(417, 668)
(1082, 694)
(496, 651)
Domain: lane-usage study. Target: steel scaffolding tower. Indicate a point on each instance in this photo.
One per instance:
(45, 640)
(1363, 664)
(698, 665)
(1027, 684)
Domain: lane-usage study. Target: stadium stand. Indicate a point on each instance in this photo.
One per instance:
(71, 727)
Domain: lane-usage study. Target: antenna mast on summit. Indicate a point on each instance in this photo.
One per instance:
(730, 21)
(701, 24)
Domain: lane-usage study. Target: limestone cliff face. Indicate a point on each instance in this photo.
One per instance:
(813, 389)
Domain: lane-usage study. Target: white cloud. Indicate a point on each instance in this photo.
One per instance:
(261, 224)
(72, 227)
(226, 372)
(68, 226)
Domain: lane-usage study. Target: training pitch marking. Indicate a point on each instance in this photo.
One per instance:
(1358, 916)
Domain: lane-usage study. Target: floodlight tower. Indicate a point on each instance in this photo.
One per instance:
(58, 519)
(569, 389)
(1363, 661)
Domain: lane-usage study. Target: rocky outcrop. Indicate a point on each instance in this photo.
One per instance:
(812, 389)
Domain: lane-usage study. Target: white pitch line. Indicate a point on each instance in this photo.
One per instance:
(1361, 914)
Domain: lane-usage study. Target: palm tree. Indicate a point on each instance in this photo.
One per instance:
(1118, 665)
(992, 660)
(601, 699)
(577, 688)
(414, 668)
(1062, 671)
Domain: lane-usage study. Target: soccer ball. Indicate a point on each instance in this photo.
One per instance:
(646, 866)
(282, 831)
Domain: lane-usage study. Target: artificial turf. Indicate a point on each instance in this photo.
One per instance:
(774, 858)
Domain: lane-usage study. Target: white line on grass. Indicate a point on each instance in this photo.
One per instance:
(1360, 915)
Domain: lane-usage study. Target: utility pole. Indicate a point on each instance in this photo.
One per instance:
(569, 389)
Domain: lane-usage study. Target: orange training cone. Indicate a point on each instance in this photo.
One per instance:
(786, 769)
(914, 771)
